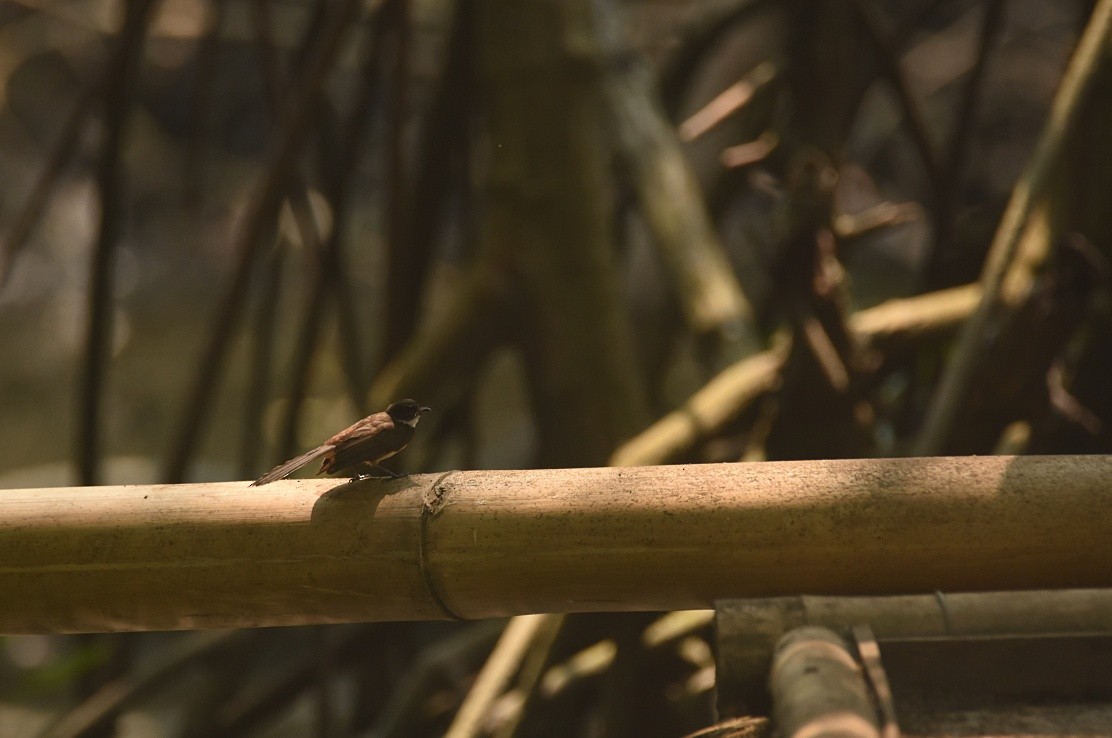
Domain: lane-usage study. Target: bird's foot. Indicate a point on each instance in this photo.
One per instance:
(386, 474)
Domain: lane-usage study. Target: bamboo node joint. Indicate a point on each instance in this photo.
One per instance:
(433, 501)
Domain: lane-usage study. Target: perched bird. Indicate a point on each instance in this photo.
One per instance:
(362, 446)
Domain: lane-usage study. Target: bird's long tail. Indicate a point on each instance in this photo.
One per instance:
(284, 470)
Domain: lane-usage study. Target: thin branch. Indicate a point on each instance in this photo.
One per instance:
(701, 39)
(113, 698)
(256, 222)
(500, 668)
(670, 197)
(991, 26)
(330, 280)
(727, 103)
(1032, 187)
(444, 132)
(881, 37)
(119, 80)
(850, 226)
(960, 138)
(204, 88)
(706, 412)
(751, 152)
(441, 657)
(37, 201)
(451, 342)
(402, 276)
(596, 659)
(350, 153)
(262, 352)
(534, 665)
(247, 710)
(726, 396)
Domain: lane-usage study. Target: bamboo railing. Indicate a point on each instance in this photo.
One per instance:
(495, 543)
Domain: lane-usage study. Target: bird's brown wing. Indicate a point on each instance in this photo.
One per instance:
(381, 439)
(284, 470)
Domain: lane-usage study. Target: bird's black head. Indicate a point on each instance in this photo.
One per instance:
(406, 411)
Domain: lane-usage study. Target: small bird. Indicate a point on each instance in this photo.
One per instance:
(373, 439)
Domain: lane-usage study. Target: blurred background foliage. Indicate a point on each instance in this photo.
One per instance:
(231, 228)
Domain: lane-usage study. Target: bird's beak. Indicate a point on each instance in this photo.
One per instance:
(422, 410)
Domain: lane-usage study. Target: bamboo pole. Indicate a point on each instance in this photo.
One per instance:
(748, 629)
(818, 688)
(937, 615)
(494, 543)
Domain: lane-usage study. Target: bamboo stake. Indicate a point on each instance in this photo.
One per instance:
(494, 543)
(818, 688)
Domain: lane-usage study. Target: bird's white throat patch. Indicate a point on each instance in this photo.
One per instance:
(412, 423)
